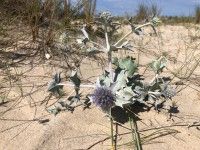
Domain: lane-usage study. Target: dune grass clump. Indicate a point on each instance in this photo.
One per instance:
(144, 11)
(197, 14)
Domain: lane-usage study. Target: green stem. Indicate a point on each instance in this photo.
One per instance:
(141, 26)
(110, 65)
(107, 42)
(81, 86)
(135, 134)
(112, 136)
(125, 36)
(116, 134)
(111, 129)
(128, 34)
(109, 52)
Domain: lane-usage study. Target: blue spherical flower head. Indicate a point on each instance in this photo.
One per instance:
(103, 98)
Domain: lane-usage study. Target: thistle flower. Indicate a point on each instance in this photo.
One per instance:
(156, 21)
(103, 98)
(106, 17)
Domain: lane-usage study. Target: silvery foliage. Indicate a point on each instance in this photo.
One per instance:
(70, 104)
(128, 86)
(158, 65)
(124, 85)
(105, 23)
(74, 78)
(53, 85)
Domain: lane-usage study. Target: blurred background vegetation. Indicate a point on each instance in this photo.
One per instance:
(55, 15)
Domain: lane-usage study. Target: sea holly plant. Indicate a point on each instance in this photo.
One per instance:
(120, 85)
(127, 87)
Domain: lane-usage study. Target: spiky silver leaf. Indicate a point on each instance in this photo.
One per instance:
(53, 85)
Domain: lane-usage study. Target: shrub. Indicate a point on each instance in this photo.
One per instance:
(197, 14)
(144, 12)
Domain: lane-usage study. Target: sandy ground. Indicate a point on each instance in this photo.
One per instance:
(81, 129)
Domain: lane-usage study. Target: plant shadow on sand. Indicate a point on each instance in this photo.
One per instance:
(121, 115)
(131, 114)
